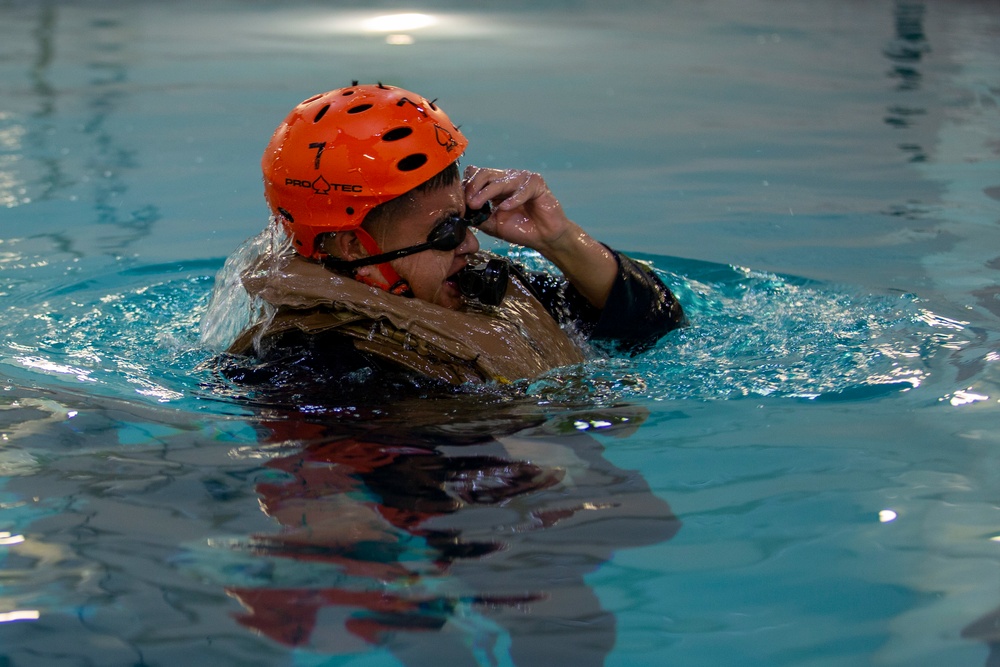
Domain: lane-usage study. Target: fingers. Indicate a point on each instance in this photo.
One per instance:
(508, 189)
(474, 180)
(524, 209)
(481, 185)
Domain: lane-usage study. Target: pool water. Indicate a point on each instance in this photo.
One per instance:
(808, 474)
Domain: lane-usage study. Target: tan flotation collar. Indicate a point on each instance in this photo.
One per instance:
(515, 340)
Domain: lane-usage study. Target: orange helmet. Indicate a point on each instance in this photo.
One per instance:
(340, 154)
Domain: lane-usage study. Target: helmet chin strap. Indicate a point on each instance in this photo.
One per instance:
(393, 282)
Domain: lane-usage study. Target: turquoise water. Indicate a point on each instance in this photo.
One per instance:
(807, 475)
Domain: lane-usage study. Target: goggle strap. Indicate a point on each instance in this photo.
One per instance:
(376, 256)
(367, 242)
(371, 247)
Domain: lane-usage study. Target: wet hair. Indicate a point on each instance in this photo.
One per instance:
(392, 209)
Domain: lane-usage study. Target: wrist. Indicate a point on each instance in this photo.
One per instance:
(572, 245)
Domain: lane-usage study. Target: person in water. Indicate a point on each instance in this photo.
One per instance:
(387, 274)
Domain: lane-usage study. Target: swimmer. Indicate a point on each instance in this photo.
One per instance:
(384, 273)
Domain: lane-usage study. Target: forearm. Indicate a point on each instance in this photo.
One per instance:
(588, 265)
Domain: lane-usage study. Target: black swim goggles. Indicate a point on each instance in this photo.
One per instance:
(446, 235)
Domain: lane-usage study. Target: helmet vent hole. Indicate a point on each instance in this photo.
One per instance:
(286, 215)
(359, 108)
(411, 162)
(321, 113)
(397, 134)
(350, 210)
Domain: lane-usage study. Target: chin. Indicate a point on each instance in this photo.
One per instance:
(451, 303)
(447, 296)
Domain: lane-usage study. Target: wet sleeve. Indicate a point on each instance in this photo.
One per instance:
(639, 311)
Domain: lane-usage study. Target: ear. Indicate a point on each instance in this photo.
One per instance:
(348, 246)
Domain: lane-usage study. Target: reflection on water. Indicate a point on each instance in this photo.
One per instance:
(48, 159)
(905, 52)
(909, 44)
(458, 528)
(112, 157)
(446, 541)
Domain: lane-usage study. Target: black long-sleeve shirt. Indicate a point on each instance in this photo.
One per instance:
(639, 311)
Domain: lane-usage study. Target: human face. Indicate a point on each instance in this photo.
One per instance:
(430, 273)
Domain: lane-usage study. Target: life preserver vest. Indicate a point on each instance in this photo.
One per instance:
(516, 340)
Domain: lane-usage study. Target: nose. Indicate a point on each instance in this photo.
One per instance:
(470, 244)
